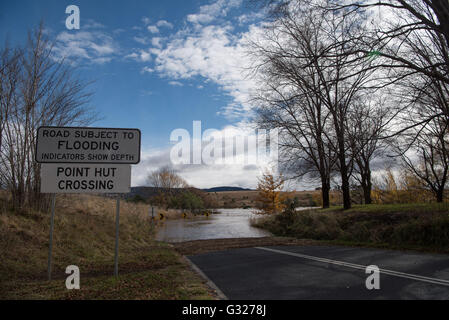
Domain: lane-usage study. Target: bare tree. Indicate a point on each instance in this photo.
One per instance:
(288, 101)
(415, 38)
(411, 60)
(9, 78)
(425, 149)
(166, 178)
(313, 54)
(41, 91)
(432, 158)
(366, 124)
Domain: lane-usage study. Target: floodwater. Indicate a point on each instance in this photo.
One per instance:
(229, 223)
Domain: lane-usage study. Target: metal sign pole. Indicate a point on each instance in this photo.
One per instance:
(117, 223)
(152, 217)
(52, 223)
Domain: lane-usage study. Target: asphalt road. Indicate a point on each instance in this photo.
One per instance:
(324, 272)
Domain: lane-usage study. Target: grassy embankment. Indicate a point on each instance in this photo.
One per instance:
(248, 199)
(396, 226)
(84, 235)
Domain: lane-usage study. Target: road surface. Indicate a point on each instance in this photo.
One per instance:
(324, 272)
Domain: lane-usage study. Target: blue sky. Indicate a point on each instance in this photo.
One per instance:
(157, 66)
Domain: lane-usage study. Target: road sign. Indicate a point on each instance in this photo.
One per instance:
(85, 178)
(87, 145)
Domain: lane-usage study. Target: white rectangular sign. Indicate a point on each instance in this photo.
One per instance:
(88, 178)
(87, 145)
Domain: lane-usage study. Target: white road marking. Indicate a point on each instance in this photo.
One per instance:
(361, 267)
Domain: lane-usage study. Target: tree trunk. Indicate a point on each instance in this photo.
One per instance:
(367, 186)
(344, 178)
(345, 189)
(440, 194)
(325, 188)
(367, 194)
(338, 118)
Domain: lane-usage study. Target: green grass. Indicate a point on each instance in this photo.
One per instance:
(392, 208)
(84, 236)
(423, 226)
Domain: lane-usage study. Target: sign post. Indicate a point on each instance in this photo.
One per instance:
(86, 160)
(117, 225)
(52, 223)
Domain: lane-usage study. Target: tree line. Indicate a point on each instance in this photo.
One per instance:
(173, 192)
(350, 83)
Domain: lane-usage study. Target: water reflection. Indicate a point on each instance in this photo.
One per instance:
(230, 223)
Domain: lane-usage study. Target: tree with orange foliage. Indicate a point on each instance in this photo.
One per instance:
(270, 199)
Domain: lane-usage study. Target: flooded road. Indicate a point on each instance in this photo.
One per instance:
(229, 223)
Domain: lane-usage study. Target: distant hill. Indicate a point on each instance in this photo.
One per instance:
(144, 192)
(148, 192)
(222, 189)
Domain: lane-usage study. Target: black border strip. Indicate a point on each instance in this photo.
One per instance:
(84, 162)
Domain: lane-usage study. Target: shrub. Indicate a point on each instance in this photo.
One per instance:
(380, 226)
(136, 199)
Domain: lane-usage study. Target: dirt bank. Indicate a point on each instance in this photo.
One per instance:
(203, 246)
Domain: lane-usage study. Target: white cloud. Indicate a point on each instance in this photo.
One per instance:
(153, 29)
(157, 42)
(118, 31)
(95, 46)
(200, 18)
(145, 56)
(164, 24)
(251, 17)
(210, 12)
(146, 20)
(175, 83)
(140, 56)
(140, 40)
(103, 49)
(146, 70)
(212, 52)
(91, 24)
(133, 55)
(222, 175)
(101, 60)
(243, 172)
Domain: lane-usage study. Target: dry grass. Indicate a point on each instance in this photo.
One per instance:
(84, 235)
